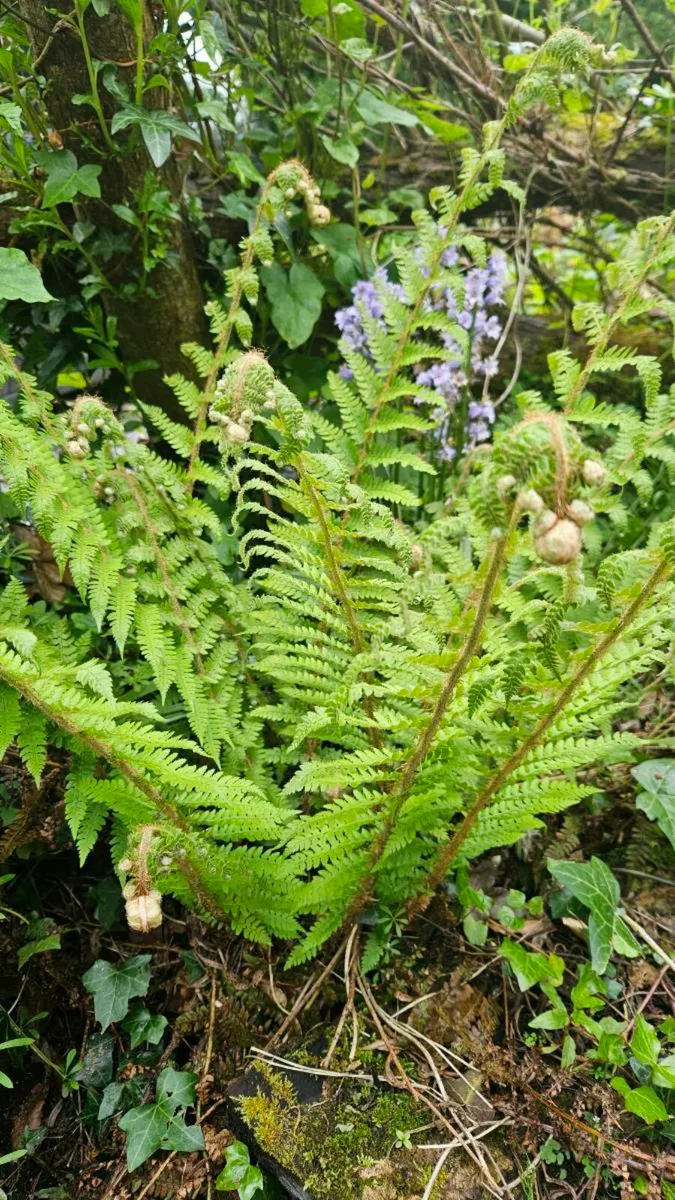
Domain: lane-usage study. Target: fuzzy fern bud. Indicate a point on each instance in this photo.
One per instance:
(505, 484)
(580, 512)
(241, 393)
(593, 472)
(144, 912)
(529, 500)
(560, 543)
(143, 903)
(290, 179)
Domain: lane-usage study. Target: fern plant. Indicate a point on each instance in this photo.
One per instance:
(383, 690)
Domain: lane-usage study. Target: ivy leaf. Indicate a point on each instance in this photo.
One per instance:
(113, 987)
(110, 1100)
(156, 128)
(295, 299)
(96, 1069)
(143, 1027)
(158, 145)
(19, 279)
(644, 1044)
(65, 179)
(161, 1126)
(376, 111)
(657, 777)
(238, 1175)
(594, 886)
(146, 1128)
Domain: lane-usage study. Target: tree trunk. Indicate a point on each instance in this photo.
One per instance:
(170, 310)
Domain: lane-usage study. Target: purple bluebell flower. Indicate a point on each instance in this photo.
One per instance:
(348, 321)
(487, 326)
(496, 279)
(477, 281)
(489, 367)
(459, 420)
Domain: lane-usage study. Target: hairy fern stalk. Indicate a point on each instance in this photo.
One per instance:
(382, 690)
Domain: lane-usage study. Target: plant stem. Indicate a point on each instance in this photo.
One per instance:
(333, 565)
(140, 62)
(402, 788)
(617, 317)
(100, 749)
(448, 855)
(223, 343)
(91, 73)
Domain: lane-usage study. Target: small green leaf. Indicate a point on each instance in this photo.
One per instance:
(341, 243)
(146, 1128)
(110, 1100)
(51, 941)
(663, 1074)
(342, 149)
(475, 930)
(445, 131)
(158, 145)
(657, 777)
(295, 300)
(113, 987)
(644, 1044)
(19, 279)
(13, 1156)
(218, 112)
(357, 48)
(610, 1049)
(516, 62)
(376, 111)
(569, 1052)
(642, 1101)
(10, 114)
(553, 1018)
(531, 968)
(156, 127)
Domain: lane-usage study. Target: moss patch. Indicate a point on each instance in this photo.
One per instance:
(344, 1146)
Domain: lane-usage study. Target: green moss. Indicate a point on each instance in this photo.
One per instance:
(329, 1145)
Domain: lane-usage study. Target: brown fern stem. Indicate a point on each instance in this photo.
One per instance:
(449, 853)
(402, 788)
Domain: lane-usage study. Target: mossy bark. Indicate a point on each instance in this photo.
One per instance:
(170, 311)
(334, 1139)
